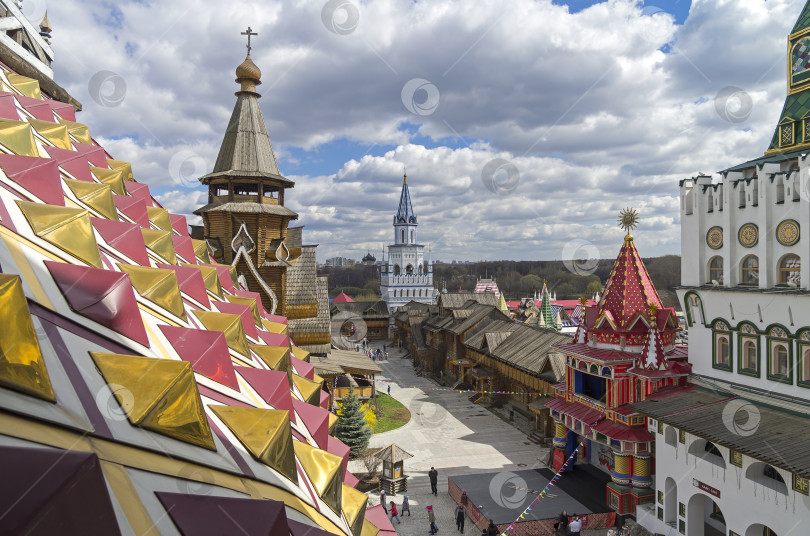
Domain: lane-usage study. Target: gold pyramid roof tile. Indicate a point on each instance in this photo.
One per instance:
(67, 228)
(157, 394)
(18, 137)
(55, 133)
(230, 325)
(324, 470)
(353, 504)
(22, 366)
(161, 243)
(157, 285)
(159, 217)
(114, 178)
(27, 86)
(266, 433)
(96, 196)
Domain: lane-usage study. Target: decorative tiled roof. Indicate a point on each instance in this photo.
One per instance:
(122, 343)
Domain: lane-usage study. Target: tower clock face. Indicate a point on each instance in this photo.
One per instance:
(800, 61)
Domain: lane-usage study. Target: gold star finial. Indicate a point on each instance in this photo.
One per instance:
(583, 300)
(628, 219)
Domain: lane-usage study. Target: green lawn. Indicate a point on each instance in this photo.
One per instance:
(392, 416)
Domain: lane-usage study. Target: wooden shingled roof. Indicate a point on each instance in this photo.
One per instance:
(453, 300)
(392, 454)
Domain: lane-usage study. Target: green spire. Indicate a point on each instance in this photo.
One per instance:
(546, 313)
(793, 129)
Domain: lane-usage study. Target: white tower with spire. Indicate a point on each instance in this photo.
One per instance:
(405, 275)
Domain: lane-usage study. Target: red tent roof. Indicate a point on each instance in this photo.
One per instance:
(342, 298)
(629, 289)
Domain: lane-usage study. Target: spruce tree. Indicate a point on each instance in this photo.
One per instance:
(352, 428)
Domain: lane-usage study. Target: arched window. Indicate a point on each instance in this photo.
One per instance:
(779, 362)
(805, 375)
(409, 269)
(749, 355)
(396, 269)
(716, 269)
(723, 353)
(750, 270)
(790, 270)
(420, 268)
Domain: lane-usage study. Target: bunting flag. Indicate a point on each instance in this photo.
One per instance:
(460, 391)
(544, 490)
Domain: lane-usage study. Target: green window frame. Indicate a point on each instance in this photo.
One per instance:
(718, 350)
(775, 371)
(746, 363)
(803, 364)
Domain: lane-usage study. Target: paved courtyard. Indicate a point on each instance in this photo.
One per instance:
(448, 432)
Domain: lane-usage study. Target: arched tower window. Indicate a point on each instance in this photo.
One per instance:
(716, 269)
(790, 270)
(750, 270)
(396, 269)
(409, 269)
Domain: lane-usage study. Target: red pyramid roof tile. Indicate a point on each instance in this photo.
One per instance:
(209, 514)
(124, 236)
(133, 208)
(243, 311)
(274, 339)
(8, 110)
(190, 279)
(39, 108)
(101, 295)
(178, 223)
(315, 419)
(207, 352)
(271, 385)
(303, 368)
(72, 162)
(339, 448)
(94, 153)
(40, 176)
(139, 190)
(184, 247)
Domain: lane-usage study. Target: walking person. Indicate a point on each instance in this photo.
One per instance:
(382, 501)
(460, 518)
(432, 520)
(394, 513)
(406, 506)
(389, 389)
(433, 474)
(562, 523)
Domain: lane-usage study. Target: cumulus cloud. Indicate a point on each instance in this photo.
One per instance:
(596, 110)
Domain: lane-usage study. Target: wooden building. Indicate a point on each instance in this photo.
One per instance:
(246, 225)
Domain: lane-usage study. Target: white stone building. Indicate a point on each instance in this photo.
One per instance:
(406, 276)
(731, 453)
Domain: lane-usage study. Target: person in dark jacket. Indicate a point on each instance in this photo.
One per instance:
(460, 518)
(433, 474)
(492, 530)
(562, 522)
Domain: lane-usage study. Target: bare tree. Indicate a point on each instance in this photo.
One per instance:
(372, 463)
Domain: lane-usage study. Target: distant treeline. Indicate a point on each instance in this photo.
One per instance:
(516, 279)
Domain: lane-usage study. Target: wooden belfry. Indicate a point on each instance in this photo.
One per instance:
(393, 478)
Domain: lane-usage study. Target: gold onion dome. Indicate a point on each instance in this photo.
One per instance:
(248, 75)
(248, 69)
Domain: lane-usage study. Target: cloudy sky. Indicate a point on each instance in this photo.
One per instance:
(525, 125)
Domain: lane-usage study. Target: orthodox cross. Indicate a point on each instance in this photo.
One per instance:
(248, 33)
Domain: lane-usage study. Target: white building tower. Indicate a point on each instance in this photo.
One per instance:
(406, 276)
